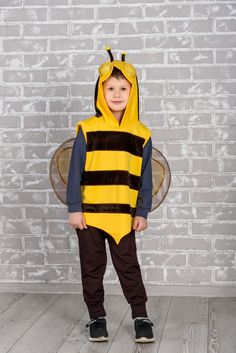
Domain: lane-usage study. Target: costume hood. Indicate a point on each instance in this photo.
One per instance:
(131, 114)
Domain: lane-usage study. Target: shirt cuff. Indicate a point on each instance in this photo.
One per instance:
(74, 207)
(142, 212)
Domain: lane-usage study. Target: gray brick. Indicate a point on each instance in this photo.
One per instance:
(180, 165)
(215, 134)
(80, 29)
(225, 274)
(61, 227)
(9, 30)
(145, 58)
(46, 30)
(24, 106)
(147, 243)
(55, 243)
(21, 258)
(57, 136)
(211, 103)
(22, 15)
(14, 152)
(189, 26)
(167, 73)
(214, 196)
(190, 57)
(57, 258)
(188, 276)
(53, 91)
(210, 259)
(167, 228)
(10, 183)
(22, 197)
(71, 75)
(10, 91)
(45, 212)
(45, 121)
(225, 87)
(40, 152)
(225, 119)
(46, 60)
(226, 56)
(71, 44)
(33, 243)
(228, 165)
(216, 228)
(216, 41)
(225, 150)
(221, 10)
(24, 227)
(46, 274)
(144, 27)
(195, 150)
(168, 42)
(119, 12)
(225, 213)
(25, 76)
(75, 274)
(180, 119)
(39, 182)
(11, 273)
(224, 180)
(206, 165)
(74, 105)
(11, 60)
(153, 275)
(24, 167)
(167, 11)
(133, 43)
(82, 90)
(216, 72)
(225, 244)
(163, 259)
(10, 243)
(189, 212)
(226, 25)
(10, 3)
(25, 45)
(71, 14)
(45, 2)
(191, 181)
(173, 134)
(24, 137)
(188, 88)
(11, 213)
(187, 244)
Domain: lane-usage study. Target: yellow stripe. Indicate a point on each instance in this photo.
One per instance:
(109, 194)
(113, 160)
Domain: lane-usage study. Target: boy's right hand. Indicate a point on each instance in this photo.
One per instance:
(77, 220)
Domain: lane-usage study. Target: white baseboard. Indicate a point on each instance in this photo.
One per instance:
(115, 289)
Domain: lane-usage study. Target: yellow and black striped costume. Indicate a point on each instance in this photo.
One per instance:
(111, 177)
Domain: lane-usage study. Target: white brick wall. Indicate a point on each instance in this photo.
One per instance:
(185, 54)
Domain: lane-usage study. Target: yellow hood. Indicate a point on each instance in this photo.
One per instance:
(131, 114)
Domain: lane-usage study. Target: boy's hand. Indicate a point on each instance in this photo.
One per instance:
(77, 220)
(139, 224)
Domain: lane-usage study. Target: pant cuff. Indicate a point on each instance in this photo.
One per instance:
(138, 310)
(96, 311)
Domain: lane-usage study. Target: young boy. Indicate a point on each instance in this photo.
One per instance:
(109, 194)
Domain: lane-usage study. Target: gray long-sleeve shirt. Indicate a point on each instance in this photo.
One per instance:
(78, 156)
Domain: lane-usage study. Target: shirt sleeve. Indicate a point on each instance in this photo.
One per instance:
(144, 201)
(76, 168)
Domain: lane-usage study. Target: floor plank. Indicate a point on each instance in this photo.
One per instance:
(222, 325)
(185, 329)
(17, 319)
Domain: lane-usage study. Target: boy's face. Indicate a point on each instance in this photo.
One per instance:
(116, 93)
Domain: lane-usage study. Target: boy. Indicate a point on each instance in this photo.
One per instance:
(109, 194)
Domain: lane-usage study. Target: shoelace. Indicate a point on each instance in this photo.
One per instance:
(92, 321)
(146, 320)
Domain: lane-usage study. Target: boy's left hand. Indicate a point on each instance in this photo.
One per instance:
(139, 224)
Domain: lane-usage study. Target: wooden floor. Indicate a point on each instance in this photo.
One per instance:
(49, 323)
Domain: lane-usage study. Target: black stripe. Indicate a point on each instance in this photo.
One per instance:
(111, 177)
(115, 141)
(108, 208)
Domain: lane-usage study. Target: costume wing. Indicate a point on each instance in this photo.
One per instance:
(60, 162)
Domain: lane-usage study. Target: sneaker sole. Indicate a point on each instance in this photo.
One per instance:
(144, 340)
(99, 339)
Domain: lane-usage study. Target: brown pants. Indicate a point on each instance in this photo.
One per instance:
(93, 260)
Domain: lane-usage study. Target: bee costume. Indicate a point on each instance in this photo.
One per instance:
(112, 173)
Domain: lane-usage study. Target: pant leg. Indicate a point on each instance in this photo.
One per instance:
(93, 260)
(125, 261)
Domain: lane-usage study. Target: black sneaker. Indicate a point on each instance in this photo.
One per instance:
(97, 330)
(143, 329)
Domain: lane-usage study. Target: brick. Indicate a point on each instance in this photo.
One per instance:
(225, 274)
(167, 11)
(119, 12)
(24, 227)
(189, 212)
(216, 41)
(11, 273)
(225, 213)
(225, 56)
(71, 14)
(9, 183)
(22, 197)
(180, 119)
(186, 88)
(22, 15)
(221, 10)
(168, 42)
(187, 244)
(21, 258)
(163, 259)
(9, 30)
(64, 258)
(225, 244)
(190, 57)
(46, 60)
(216, 228)
(11, 60)
(189, 26)
(24, 106)
(10, 3)
(25, 76)
(178, 150)
(80, 29)
(53, 91)
(46, 274)
(225, 88)
(144, 27)
(10, 243)
(24, 137)
(210, 259)
(226, 25)
(14, 152)
(45, 30)
(188, 276)
(71, 44)
(167, 73)
(23, 167)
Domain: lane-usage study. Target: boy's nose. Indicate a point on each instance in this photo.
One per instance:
(117, 93)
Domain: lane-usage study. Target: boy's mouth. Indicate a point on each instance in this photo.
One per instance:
(116, 102)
